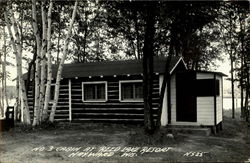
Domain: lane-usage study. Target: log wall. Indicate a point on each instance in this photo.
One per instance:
(72, 108)
(62, 110)
(113, 110)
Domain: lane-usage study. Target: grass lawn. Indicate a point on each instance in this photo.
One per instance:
(124, 143)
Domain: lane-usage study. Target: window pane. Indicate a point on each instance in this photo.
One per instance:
(100, 91)
(89, 91)
(206, 87)
(138, 91)
(132, 91)
(94, 91)
(127, 91)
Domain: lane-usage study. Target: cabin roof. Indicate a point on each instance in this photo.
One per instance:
(110, 68)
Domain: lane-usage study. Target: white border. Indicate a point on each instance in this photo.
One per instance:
(181, 59)
(95, 82)
(120, 90)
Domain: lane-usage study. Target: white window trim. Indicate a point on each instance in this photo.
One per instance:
(95, 82)
(120, 90)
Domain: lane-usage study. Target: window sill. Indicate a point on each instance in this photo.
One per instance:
(94, 101)
(131, 100)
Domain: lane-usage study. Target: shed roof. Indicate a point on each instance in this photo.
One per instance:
(211, 72)
(109, 68)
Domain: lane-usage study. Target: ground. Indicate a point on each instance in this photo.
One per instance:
(124, 143)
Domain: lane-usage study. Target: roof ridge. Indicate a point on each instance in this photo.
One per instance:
(107, 68)
(117, 61)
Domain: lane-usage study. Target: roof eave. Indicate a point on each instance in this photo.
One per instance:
(180, 59)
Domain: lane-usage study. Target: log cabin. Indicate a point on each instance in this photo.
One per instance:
(111, 91)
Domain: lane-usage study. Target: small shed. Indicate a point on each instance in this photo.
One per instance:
(196, 99)
(111, 91)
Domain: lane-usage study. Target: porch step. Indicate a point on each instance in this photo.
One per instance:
(190, 130)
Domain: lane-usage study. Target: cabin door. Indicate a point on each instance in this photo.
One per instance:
(186, 108)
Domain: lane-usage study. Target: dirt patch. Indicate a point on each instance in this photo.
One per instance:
(123, 143)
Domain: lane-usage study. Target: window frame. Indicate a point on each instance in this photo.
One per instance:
(96, 82)
(120, 90)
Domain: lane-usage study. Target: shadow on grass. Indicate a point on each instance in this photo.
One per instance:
(232, 128)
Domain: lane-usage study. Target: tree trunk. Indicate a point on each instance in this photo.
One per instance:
(148, 51)
(4, 68)
(60, 67)
(20, 72)
(1, 106)
(2, 89)
(135, 17)
(38, 60)
(232, 85)
(5, 79)
(59, 35)
(85, 37)
(31, 64)
(247, 97)
(242, 29)
(232, 68)
(49, 71)
(43, 62)
(18, 53)
(241, 89)
(2, 83)
(18, 103)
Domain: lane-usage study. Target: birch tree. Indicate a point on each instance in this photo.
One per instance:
(38, 59)
(49, 70)
(60, 67)
(16, 44)
(4, 68)
(3, 63)
(43, 62)
(19, 70)
(2, 89)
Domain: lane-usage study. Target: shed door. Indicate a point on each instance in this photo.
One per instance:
(186, 107)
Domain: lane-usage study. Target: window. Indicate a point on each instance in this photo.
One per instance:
(94, 91)
(206, 87)
(131, 91)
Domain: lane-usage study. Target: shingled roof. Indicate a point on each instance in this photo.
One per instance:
(110, 68)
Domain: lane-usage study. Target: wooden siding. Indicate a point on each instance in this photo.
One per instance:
(205, 105)
(205, 110)
(219, 100)
(204, 76)
(62, 110)
(173, 99)
(113, 110)
(164, 114)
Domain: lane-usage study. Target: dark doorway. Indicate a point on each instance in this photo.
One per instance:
(186, 108)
